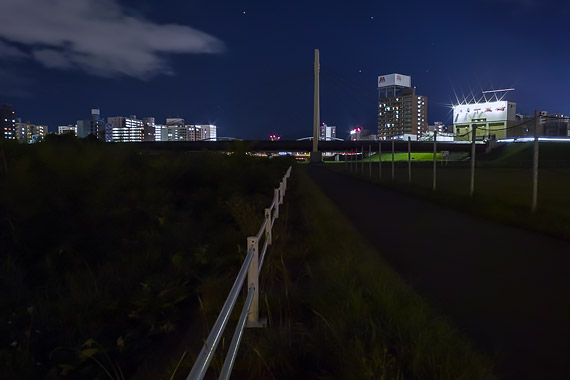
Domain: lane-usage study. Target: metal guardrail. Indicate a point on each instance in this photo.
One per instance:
(249, 316)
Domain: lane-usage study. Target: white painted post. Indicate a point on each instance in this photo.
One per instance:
(370, 162)
(379, 160)
(268, 226)
(276, 202)
(473, 136)
(253, 281)
(392, 158)
(362, 160)
(353, 160)
(281, 191)
(434, 159)
(409, 159)
(535, 162)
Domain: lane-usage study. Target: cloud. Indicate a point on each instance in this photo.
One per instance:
(52, 58)
(11, 52)
(98, 36)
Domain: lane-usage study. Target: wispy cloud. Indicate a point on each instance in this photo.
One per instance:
(11, 52)
(98, 36)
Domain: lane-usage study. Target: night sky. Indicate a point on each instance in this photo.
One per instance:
(247, 66)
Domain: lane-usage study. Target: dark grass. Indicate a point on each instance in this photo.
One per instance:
(104, 251)
(503, 186)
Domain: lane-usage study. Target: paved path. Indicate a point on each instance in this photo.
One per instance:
(507, 289)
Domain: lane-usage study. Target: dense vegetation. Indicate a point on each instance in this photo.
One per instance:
(115, 263)
(103, 249)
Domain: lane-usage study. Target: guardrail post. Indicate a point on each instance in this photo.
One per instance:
(434, 183)
(535, 163)
(409, 159)
(473, 137)
(392, 158)
(268, 226)
(379, 160)
(362, 150)
(253, 281)
(370, 162)
(281, 191)
(276, 202)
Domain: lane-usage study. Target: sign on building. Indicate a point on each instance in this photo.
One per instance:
(394, 80)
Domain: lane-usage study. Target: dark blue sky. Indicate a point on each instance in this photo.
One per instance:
(251, 73)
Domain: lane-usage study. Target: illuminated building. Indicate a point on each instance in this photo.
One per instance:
(176, 130)
(7, 123)
(28, 133)
(358, 133)
(63, 129)
(205, 132)
(327, 133)
(437, 126)
(95, 127)
(400, 111)
(491, 118)
(149, 129)
(548, 125)
(124, 129)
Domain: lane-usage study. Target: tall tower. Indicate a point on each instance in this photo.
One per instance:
(401, 112)
(316, 156)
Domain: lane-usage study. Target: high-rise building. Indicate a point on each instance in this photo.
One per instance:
(176, 130)
(124, 129)
(28, 133)
(7, 122)
(95, 126)
(205, 132)
(327, 133)
(400, 111)
(149, 127)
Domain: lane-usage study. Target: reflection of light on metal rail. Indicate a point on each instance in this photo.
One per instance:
(529, 139)
(505, 89)
(494, 92)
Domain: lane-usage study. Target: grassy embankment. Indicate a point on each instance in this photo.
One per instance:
(503, 185)
(403, 157)
(336, 310)
(104, 252)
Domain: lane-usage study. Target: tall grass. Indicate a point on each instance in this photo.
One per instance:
(104, 249)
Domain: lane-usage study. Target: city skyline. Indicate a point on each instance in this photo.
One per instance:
(247, 66)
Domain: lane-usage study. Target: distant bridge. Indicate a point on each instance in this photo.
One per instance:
(328, 139)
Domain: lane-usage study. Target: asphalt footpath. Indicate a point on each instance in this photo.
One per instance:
(505, 288)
